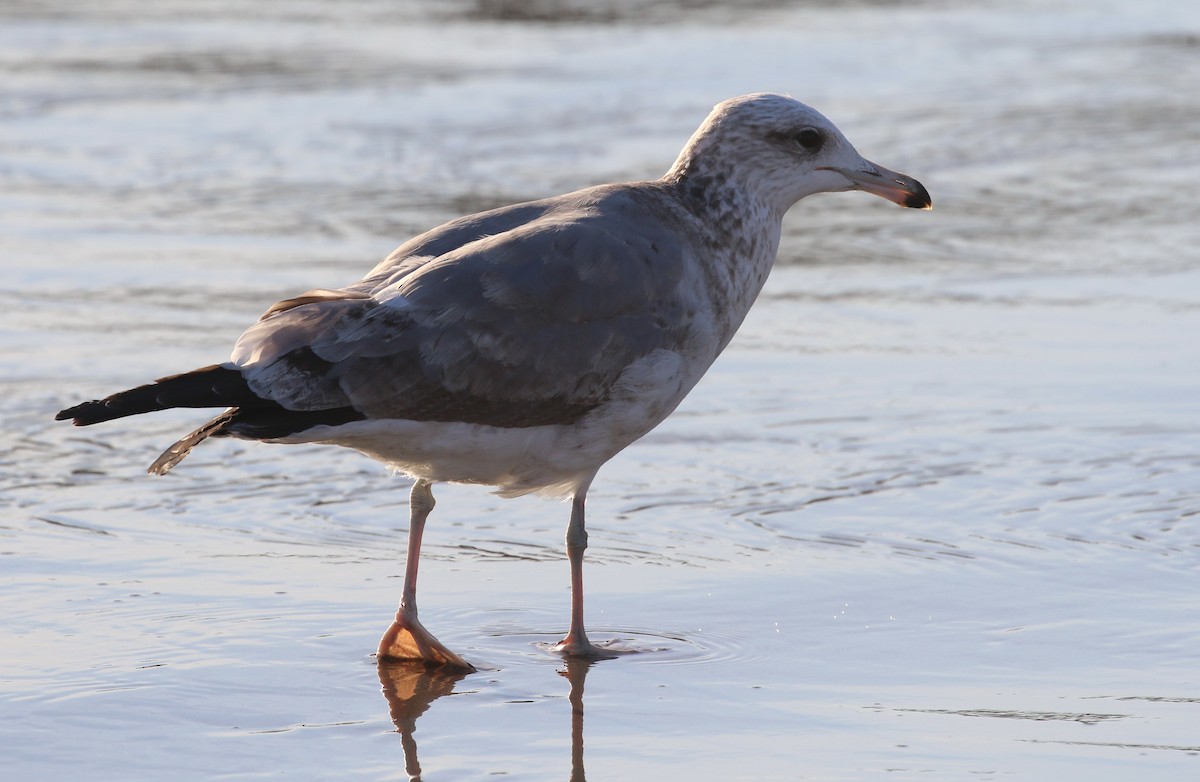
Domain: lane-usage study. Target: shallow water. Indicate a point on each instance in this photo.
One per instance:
(934, 515)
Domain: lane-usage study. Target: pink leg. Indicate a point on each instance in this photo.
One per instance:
(407, 639)
(576, 643)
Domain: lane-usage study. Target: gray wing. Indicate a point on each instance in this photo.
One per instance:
(530, 326)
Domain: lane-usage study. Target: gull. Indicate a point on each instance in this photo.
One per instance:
(523, 347)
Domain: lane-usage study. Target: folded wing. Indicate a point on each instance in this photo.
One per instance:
(530, 326)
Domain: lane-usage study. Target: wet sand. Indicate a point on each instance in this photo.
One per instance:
(932, 516)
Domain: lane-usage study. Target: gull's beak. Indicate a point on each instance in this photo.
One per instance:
(898, 188)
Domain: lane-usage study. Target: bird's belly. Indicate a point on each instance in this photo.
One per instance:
(553, 460)
(515, 461)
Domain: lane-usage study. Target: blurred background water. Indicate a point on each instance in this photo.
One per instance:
(934, 515)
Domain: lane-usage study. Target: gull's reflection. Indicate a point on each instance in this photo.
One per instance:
(576, 671)
(410, 686)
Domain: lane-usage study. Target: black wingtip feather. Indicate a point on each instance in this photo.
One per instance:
(84, 414)
(213, 386)
(250, 415)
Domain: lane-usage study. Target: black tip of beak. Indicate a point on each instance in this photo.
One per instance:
(920, 196)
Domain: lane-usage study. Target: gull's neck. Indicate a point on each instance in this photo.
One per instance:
(738, 230)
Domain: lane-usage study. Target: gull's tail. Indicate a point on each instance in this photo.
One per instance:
(214, 386)
(247, 415)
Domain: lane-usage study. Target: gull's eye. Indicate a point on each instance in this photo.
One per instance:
(810, 139)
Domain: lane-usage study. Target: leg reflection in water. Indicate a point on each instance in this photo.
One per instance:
(411, 686)
(576, 672)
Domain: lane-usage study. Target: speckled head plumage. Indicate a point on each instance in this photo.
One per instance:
(780, 150)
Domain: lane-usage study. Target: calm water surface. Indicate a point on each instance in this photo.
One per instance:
(935, 515)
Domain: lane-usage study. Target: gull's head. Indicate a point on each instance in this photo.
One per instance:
(782, 150)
